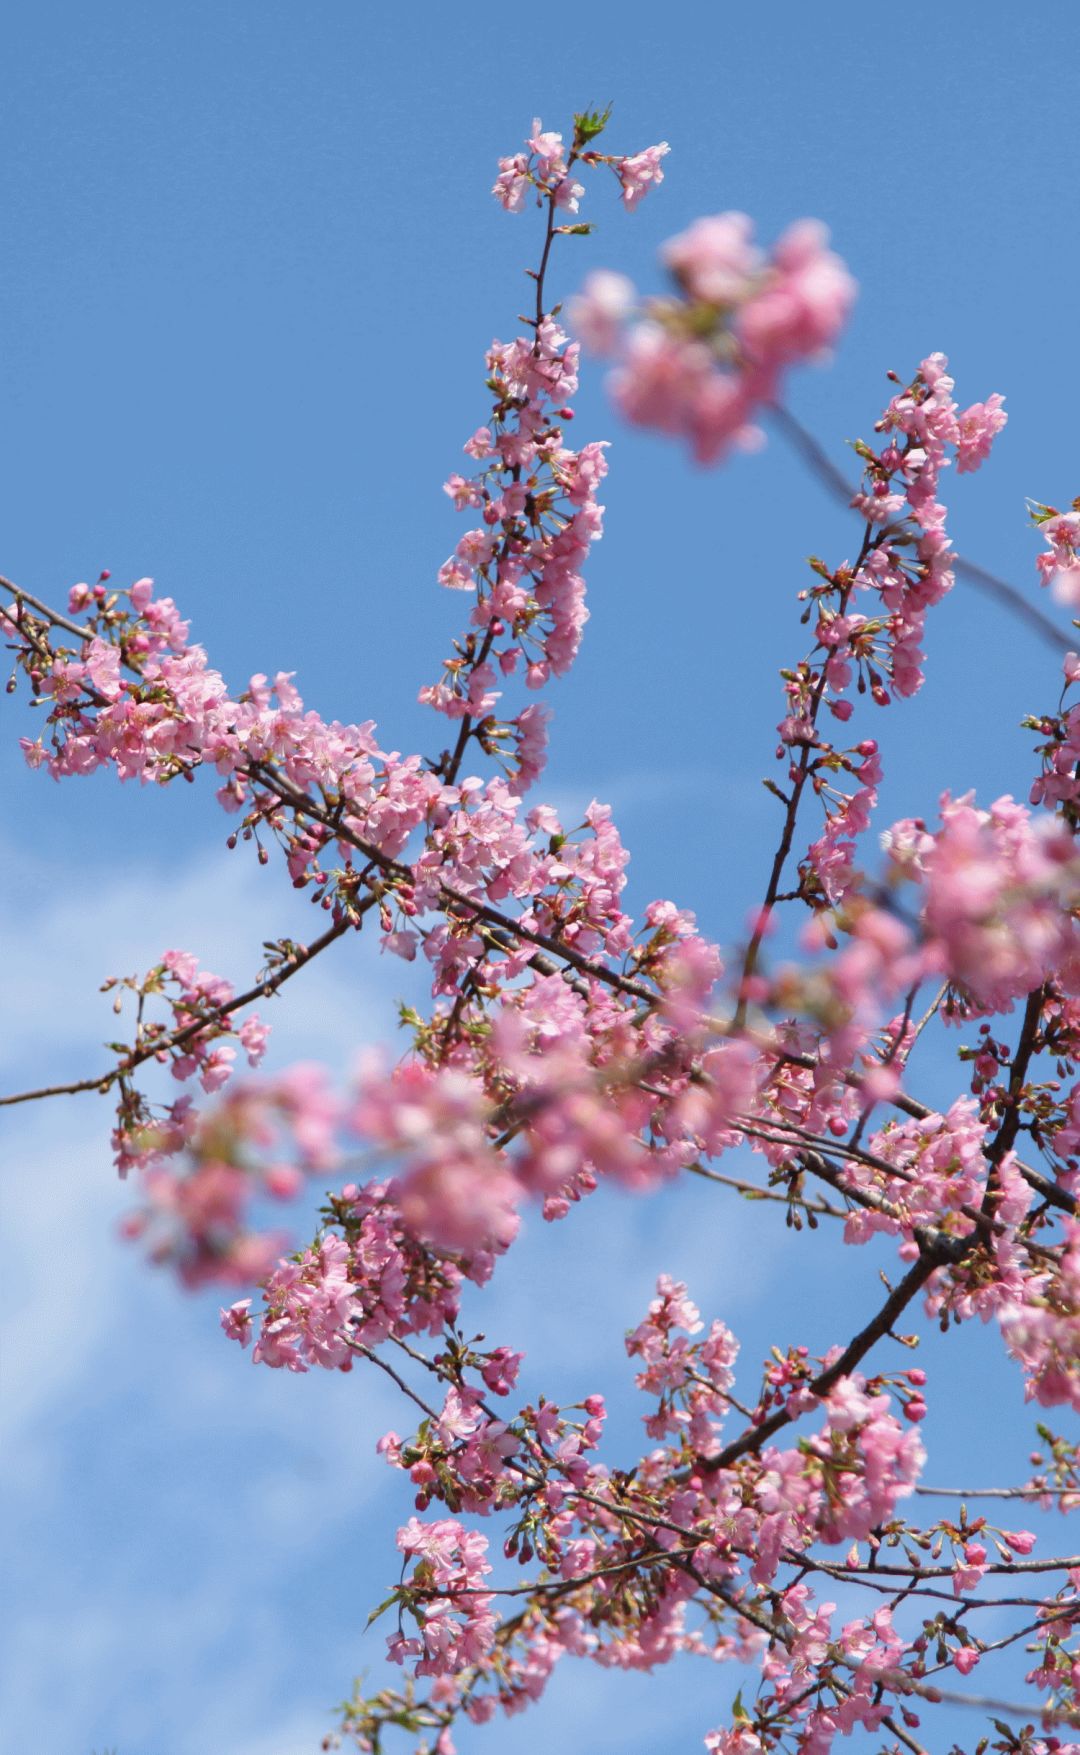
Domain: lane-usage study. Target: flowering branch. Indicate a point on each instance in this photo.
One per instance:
(567, 1043)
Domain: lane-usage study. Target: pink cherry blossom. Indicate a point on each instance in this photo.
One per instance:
(640, 172)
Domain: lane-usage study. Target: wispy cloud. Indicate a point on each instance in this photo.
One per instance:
(199, 1538)
(222, 908)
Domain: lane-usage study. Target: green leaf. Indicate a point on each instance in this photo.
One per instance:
(589, 124)
(381, 1610)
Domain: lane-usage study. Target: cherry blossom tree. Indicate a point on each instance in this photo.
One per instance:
(567, 1043)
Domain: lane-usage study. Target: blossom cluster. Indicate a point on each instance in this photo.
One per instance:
(193, 1043)
(869, 615)
(1000, 891)
(701, 363)
(547, 163)
(1059, 567)
(739, 1529)
(205, 1177)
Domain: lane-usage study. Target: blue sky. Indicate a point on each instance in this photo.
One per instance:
(250, 268)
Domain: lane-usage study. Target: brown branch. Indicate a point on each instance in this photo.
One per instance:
(1062, 1563)
(261, 990)
(984, 1492)
(798, 785)
(99, 1084)
(755, 1192)
(374, 1358)
(50, 615)
(1005, 1137)
(876, 1329)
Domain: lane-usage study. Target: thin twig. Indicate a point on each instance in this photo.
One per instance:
(822, 465)
(163, 1044)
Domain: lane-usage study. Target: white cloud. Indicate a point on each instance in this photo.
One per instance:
(60, 1193)
(202, 1539)
(165, 1496)
(639, 789)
